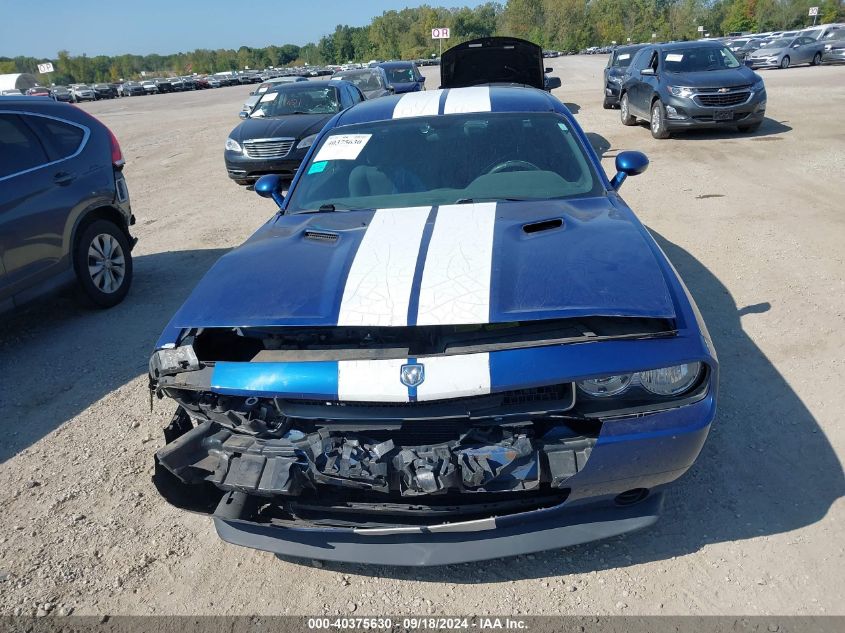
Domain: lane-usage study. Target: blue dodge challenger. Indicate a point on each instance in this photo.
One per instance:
(453, 342)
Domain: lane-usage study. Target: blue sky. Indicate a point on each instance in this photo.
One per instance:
(40, 28)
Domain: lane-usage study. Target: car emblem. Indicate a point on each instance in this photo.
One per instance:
(724, 89)
(412, 375)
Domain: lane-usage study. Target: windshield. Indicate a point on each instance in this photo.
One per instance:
(781, 42)
(400, 75)
(699, 59)
(364, 80)
(297, 99)
(445, 160)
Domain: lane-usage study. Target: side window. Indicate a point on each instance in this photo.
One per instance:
(652, 62)
(61, 139)
(20, 149)
(357, 96)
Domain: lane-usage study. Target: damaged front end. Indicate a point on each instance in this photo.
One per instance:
(382, 473)
(303, 441)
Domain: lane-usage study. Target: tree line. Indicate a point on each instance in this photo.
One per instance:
(406, 34)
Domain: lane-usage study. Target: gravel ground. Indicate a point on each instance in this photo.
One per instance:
(753, 223)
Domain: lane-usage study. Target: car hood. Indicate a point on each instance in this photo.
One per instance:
(742, 76)
(290, 126)
(374, 94)
(492, 60)
(308, 269)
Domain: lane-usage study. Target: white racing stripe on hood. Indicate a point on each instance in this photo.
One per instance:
(455, 286)
(455, 376)
(411, 104)
(378, 287)
(475, 99)
(371, 380)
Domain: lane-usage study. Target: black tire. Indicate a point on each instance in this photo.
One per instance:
(817, 59)
(749, 128)
(99, 287)
(784, 63)
(624, 114)
(657, 125)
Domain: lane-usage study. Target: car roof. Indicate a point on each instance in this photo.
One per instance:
(297, 85)
(502, 99)
(396, 64)
(674, 46)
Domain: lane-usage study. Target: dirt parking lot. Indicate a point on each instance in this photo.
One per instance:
(755, 224)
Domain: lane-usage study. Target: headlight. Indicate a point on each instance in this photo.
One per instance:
(670, 381)
(679, 91)
(758, 86)
(308, 141)
(614, 79)
(605, 386)
(232, 145)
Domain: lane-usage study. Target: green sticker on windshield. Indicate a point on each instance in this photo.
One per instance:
(563, 127)
(317, 168)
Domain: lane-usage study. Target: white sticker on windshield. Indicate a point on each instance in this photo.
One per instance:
(674, 57)
(624, 56)
(270, 96)
(343, 147)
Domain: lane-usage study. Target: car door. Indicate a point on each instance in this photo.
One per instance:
(36, 195)
(638, 100)
(809, 47)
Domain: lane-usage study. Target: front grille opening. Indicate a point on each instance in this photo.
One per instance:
(727, 99)
(365, 510)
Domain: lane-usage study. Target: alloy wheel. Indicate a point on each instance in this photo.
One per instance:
(106, 263)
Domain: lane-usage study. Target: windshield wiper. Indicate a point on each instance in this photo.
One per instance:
(495, 199)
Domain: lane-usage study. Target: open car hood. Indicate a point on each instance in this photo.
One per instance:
(592, 259)
(491, 60)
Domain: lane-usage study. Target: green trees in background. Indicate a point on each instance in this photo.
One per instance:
(406, 34)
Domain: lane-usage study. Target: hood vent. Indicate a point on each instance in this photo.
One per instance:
(321, 236)
(544, 225)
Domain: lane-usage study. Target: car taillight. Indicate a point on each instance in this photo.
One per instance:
(116, 154)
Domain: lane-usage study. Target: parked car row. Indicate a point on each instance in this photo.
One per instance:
(284, 114)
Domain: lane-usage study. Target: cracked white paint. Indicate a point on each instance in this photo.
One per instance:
(463, 100)
(455, 285)
(411, 104)
(455, 376)
(371, 380)
(379, 285)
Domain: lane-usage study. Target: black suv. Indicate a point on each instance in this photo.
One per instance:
(614, 73)
(691, 85)
(64, 205)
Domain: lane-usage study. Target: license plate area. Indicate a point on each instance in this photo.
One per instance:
(723, 115)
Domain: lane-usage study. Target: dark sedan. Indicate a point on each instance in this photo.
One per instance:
(617, 63)
(277, 133)
(104, 91)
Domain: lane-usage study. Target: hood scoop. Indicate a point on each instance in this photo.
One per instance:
(320, 236)
(543, 225)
